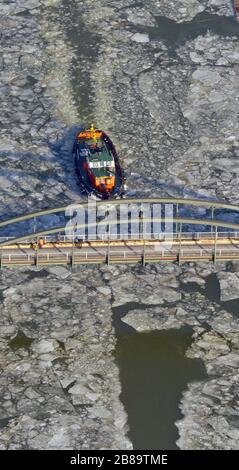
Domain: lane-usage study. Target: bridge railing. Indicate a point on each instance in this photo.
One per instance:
(66, 258)
(59, 238)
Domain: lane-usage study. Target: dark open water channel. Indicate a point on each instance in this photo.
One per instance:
(154, 372)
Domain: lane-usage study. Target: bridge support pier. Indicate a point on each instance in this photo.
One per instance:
(144, 245)
(108, 247)
(180, 243)
(36, 253)
(215, 247)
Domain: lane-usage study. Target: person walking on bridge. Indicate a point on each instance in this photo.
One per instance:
(41, 242)
(34, 245)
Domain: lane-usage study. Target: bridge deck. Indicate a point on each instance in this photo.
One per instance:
(131, 251)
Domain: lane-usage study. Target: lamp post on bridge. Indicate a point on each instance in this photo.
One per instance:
(212, 217)
(141, 225)
(177, 212)
(142, 233)
(144, 241)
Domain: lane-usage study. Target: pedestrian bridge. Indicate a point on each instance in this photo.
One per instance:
(193, 230)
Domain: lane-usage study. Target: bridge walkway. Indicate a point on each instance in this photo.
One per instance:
(130, 251)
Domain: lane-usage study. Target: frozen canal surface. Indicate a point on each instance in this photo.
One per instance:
(76, 346)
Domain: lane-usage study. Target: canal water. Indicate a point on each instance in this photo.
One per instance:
(154, 369)
(154, 372)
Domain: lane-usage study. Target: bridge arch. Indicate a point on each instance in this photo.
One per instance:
(212, 204)
(179, 220)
